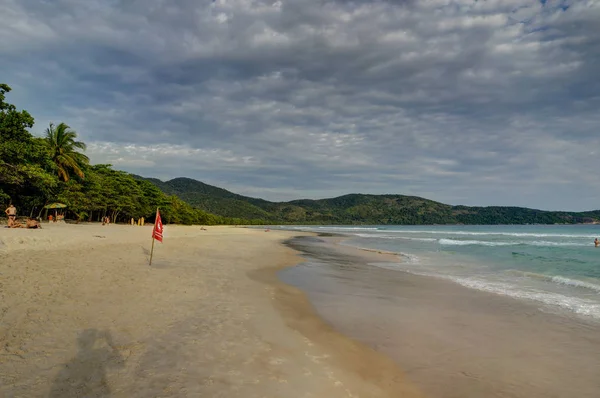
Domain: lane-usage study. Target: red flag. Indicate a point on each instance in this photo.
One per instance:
(157, 232)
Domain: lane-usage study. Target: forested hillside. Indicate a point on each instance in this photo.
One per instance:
(359, 209)
(212, 199)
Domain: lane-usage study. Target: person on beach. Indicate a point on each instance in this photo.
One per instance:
(11, 212)
(32, 223)
(596, 242)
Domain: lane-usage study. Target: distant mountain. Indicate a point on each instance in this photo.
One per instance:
(358, 208)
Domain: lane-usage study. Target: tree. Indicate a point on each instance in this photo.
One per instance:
(64, 151)
(24, 160)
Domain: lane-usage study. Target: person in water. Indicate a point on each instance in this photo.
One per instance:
(596, 242)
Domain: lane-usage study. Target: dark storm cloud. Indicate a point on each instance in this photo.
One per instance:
(492, 102)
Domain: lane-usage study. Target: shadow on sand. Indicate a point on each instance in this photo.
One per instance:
(85, 374)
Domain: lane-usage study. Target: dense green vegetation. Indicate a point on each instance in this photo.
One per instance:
(35, 171)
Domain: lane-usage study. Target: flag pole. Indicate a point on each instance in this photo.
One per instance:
(152, 250)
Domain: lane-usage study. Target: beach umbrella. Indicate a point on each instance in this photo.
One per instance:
(55, 206)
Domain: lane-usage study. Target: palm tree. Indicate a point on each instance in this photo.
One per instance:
(64, 150)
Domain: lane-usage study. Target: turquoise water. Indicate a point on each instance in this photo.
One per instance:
(556, 266)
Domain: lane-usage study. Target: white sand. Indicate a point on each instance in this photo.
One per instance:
(83, 315)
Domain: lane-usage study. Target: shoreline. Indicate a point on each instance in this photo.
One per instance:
(364, 362)
(451, 341)
(83, 313)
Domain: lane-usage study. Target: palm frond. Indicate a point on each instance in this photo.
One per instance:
(80, 158)
(80, 145)
(64, 147)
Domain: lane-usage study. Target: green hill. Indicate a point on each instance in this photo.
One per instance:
(358, 208)
(218, 200)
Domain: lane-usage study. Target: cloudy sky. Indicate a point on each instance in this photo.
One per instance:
(466, 102)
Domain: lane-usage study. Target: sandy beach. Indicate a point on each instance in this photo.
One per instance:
(82, 314)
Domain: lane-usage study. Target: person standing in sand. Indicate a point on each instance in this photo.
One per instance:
(11, 212)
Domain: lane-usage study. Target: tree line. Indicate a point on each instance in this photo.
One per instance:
(36, 171)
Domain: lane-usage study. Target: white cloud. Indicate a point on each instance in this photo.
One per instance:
(484, 102)
(165, 155)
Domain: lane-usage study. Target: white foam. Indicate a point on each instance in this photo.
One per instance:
(395, 237)
(549, 243)
(350, 228)
(454, 242)
(543, 243)
(574, 304)
(561, 280)
(377, 236)
(459, 242)
(422, 239)
(406, 257)
(410, 258)
(521, 234)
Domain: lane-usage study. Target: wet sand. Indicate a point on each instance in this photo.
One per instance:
(450, 340)
(83, 315)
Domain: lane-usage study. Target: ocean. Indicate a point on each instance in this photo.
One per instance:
(556, 267)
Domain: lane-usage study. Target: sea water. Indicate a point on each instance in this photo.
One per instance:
(556, 266)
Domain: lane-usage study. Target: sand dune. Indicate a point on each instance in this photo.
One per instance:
(82, 314)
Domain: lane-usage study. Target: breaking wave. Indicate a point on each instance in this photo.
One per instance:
(454, 242)
(562, 280)
(457, 242)
(574, 304)
(472, 233)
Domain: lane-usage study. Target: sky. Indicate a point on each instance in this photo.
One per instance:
(465, 102)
